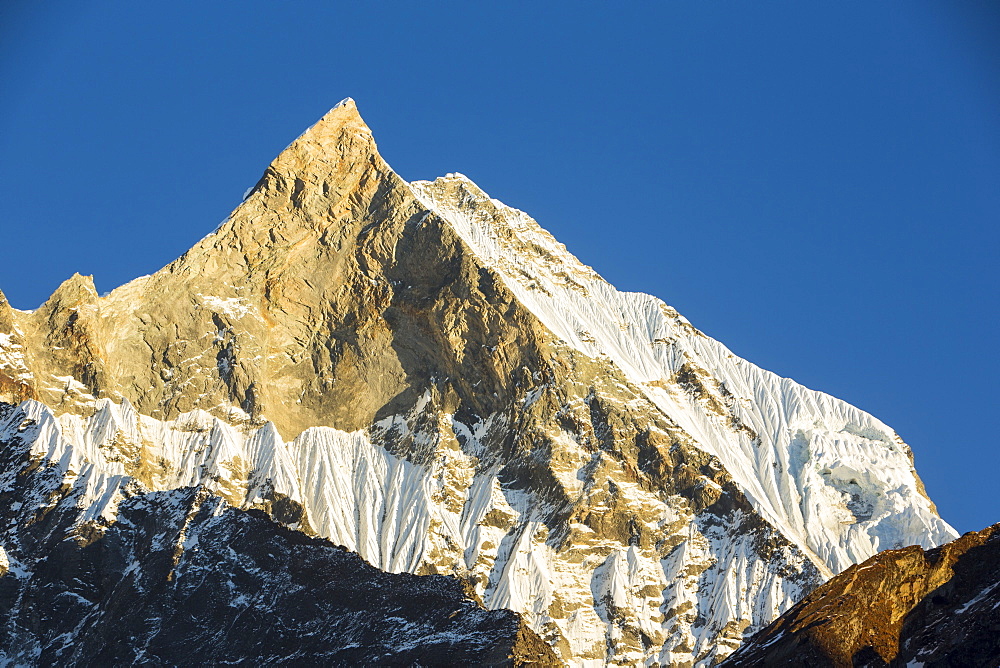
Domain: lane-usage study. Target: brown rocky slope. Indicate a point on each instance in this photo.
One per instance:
(905, 607)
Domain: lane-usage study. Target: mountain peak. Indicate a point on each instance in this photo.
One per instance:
(343, 119)
(346, 102)
(464, 397)
(313, 182)
(344, 111)
(339, 142)
(74, 290)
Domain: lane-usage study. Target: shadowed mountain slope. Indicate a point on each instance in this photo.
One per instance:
(181, 578)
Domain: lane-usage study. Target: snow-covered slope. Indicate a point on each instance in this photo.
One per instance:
(447, 516)
(180, 577)
(425, 376)
(835, 479)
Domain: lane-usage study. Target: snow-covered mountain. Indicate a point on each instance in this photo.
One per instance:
(425, 376)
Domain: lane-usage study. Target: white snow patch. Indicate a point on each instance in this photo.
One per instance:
(234, 307)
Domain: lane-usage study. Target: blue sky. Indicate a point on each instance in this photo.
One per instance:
(815, 184)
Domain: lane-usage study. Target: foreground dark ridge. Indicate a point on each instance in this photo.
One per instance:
(901, 607)
(181, 578)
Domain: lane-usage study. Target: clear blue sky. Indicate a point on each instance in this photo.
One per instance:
(815, 184)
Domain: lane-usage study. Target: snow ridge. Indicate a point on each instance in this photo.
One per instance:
(834, 479)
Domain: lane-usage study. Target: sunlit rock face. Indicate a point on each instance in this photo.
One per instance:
(425, 376)
(906, 607)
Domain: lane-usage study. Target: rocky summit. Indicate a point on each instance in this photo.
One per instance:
(424, 376)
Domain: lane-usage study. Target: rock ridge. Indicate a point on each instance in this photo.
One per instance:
(900, 608)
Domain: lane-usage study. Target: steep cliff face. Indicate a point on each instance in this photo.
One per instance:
(425, 376)
(900, 608)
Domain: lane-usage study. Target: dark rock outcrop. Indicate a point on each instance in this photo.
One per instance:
(182, 579)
